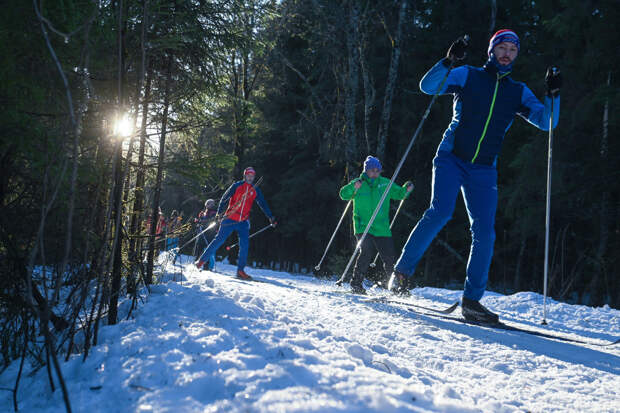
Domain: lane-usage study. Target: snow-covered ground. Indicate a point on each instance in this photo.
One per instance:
(210, 343)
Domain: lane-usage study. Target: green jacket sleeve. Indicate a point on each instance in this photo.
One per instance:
(399, 192)
(347, 191)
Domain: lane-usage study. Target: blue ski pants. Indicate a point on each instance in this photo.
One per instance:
(203, 242)
(226, 228)
(478, 183)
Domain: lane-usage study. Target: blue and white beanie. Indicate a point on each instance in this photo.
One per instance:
(504, 35)
(371, 162)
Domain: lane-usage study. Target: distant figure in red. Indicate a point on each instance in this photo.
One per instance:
(159, 229)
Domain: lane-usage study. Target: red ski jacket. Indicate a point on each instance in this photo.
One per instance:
(238, 201)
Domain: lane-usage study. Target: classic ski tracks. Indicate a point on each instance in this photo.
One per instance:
(443, 313)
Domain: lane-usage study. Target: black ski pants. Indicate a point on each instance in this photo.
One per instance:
(384, 245)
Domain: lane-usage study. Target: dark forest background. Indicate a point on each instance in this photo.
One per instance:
(302, 90)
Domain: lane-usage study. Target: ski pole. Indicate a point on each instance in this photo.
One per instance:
(253, 235)
(195, 246)
(374, 262)
(201, 234)
(318, 266)
(211, 225)
(400, 165)
(548, 209)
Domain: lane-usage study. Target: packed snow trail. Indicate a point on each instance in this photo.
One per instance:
(210, 343)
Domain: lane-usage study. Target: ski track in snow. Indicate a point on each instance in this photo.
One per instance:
(211, 343)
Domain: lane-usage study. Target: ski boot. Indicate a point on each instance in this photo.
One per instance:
(242, 275)
(398, 284)
(358, 289)
(199, 264)
(474, 311)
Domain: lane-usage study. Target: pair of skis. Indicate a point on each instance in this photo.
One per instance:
(444, 313)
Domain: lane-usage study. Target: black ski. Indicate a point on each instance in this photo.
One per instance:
(500, 325)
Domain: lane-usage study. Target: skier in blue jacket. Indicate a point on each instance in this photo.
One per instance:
(486, 101)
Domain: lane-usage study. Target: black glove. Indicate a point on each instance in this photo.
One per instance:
(273, 221)
(553, 80)
(458, 49)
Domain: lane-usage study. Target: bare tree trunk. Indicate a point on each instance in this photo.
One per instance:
(369, 96)
(21, 363)
(118, 238)
(493, 16)
(101, 264)
(160, 171)
(118, 177)
(604, 210)
(384, 123)
(554, 268)
(135, 245)
(245, 70)
(352, 82)
(237, 129)
(51, 347)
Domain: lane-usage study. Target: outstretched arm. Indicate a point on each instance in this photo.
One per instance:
(454, 83)
(262, 203)
(348, 191)
(536, 113)
(400, 192)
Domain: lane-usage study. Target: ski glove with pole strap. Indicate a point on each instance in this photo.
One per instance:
(458, 49)
(273, 221)
(553, 80)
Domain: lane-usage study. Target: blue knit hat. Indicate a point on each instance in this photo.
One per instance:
(371, 162)
(501, 36)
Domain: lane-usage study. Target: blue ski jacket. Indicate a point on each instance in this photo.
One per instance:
(485, 104)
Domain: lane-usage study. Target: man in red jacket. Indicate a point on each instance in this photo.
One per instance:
(238, 201)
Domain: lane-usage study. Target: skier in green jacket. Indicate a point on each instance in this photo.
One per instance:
(366, 192)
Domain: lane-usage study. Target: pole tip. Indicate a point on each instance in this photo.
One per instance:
(544, 322)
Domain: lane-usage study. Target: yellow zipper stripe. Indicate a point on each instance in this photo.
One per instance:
(486, 125)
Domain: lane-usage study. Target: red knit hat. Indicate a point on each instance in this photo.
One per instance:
(504, 35)
(249, 171)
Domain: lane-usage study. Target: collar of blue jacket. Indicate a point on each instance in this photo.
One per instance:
(493, 66)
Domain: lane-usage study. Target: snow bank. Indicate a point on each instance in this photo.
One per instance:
(210, 343)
